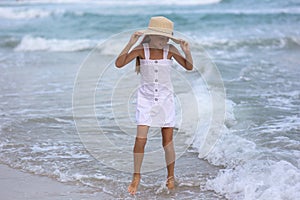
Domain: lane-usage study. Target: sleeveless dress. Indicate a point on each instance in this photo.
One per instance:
(155, 96)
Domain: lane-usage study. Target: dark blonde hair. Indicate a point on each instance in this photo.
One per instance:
(146, 39)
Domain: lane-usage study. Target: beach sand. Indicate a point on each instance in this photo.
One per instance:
(15, 185)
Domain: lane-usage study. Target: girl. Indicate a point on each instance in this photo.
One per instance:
(155, 99)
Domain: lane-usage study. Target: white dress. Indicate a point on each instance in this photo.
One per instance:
(155, 96)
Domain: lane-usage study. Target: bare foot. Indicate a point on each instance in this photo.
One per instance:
(132, 188)
(170, 183)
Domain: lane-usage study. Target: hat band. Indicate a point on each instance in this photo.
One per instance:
(161, 31)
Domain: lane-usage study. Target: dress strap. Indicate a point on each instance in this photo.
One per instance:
(166, 51)
(146, 51)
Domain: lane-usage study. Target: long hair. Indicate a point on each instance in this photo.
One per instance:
(146, 39)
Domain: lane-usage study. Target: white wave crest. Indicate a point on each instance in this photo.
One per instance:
(29, 43)
(129, 2)
(258, 180)
(10, 13)
(252, 172)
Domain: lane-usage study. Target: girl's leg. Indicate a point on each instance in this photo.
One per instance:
(167, 142)
(138, 155)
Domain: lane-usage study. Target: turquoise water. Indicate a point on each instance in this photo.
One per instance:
(254, 44)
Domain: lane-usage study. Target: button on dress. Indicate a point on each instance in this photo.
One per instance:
(155, 95)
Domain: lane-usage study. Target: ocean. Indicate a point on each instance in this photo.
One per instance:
(67, 113)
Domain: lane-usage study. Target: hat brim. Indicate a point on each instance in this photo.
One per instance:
(151, 32)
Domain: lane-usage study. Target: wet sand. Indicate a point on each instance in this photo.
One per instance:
(18, 185)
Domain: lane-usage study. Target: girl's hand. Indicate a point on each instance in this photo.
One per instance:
(184, 46)
(134, 37)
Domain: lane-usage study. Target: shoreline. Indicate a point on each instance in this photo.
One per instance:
(19, 185)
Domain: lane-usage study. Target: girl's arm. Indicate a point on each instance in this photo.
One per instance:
(186, 62)
(125, 56)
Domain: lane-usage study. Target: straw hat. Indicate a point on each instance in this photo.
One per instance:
(160, 25)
